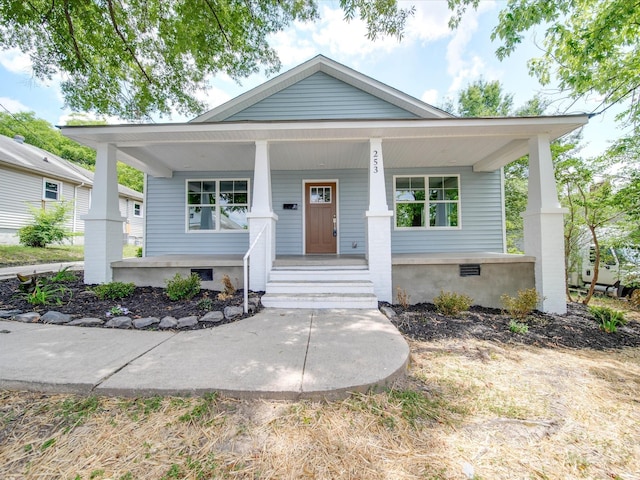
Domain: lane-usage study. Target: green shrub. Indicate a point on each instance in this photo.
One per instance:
(114, 290)
(521, 306)
(139, 252)
(47, 227)
(518, 327)
(183, 288)
(452, 303)
(608, 318)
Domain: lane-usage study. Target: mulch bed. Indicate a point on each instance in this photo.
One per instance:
(576, 329)
(80, 302)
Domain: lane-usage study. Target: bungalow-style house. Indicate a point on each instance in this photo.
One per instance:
(34, 177)
(338, 190)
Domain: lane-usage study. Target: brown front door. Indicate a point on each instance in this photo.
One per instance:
(320, 214)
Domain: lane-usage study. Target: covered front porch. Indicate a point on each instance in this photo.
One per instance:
(372, 146)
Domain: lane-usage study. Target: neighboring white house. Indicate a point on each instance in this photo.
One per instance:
(30, 176)
(340, 190)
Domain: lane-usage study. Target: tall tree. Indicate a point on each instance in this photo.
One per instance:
(590, 46)
(138, 57)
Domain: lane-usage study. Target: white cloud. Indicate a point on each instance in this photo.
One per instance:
(348, 39)
(292, 48)
(15, 61)
(13, 105)
(430, 96)
(429, 22)
(462, 66)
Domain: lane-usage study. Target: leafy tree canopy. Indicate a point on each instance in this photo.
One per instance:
(591, 46)
(138, 57)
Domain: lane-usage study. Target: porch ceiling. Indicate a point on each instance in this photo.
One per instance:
(485, 144)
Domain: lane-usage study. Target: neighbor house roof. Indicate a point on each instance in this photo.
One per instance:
(22, 156)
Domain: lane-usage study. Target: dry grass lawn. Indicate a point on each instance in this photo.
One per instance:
(467, 409)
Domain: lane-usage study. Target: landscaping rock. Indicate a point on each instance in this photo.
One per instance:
(86, 322)
(145, 322)
(9, 313)
(233, 312)
(187, 322)
(168, 322)
(388, 311)
(56, 318)
(213, 317)
(119, 322)
(29, 317)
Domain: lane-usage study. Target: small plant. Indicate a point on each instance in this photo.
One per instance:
(229, 287)
(452, 303)
(205, 304)
(117, 311)
(114, 290)
(139, 252)
(183, 288)
(634, 298)
(608, 318)
(63, 276)
(44, 293)
(518, 327)
(521, 306)
(403, 297)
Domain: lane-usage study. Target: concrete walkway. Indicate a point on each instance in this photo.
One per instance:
(279, 354)
(10, 272)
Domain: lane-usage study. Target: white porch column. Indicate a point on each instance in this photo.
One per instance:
(544, 228)
(103, 223)
(378, 225)
(261, 217)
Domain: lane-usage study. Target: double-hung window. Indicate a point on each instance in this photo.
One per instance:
(217, 205)
(427, 201)
(51, 190)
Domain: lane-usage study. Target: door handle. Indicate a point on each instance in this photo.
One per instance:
(335, 226)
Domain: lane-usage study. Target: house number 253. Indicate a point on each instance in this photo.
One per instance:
(374, 160)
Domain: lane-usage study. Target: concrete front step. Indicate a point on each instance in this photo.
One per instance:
(320, 286)
(319, 300)
(319, 274)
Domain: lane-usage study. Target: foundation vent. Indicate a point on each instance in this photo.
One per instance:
(205, 274)
(470, 270)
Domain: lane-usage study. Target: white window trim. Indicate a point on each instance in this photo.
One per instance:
(217, 230)
(44, 190)
(426, 179)
(140, 214)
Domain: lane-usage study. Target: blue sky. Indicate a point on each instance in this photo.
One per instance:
(430, 63)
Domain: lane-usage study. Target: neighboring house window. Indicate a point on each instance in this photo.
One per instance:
(427, 201)
(217, 205)
(51, 190)
(137, 209)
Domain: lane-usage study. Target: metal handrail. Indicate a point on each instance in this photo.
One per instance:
(245, 268)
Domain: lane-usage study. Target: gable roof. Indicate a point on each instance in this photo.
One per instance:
(27, 157)
(333, 69)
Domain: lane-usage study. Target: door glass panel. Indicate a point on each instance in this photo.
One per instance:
(320, 194)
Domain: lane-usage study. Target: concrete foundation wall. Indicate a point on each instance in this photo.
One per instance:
(424, 282)
(156, 276)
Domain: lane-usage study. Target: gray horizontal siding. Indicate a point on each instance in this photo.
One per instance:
(165, 212)
(317, 97)
(481, 216)
(287, 187)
